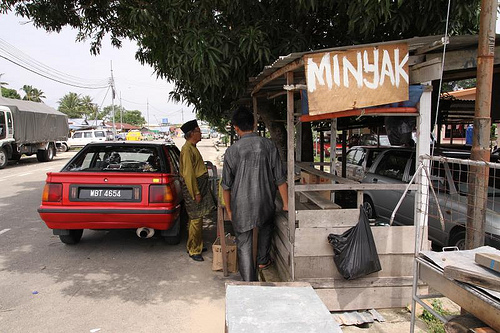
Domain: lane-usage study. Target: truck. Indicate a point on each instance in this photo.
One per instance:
(30, 128)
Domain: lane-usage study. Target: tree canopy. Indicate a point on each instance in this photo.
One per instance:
(32, 94)
(132, 117)
(209, 48)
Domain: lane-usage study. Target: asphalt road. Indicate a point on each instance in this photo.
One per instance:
(112, 281)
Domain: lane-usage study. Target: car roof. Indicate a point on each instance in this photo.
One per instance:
(129, 143)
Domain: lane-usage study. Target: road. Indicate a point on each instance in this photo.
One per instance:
(112, 281)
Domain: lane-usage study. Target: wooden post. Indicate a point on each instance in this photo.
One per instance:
(291, 168)
(333, 152)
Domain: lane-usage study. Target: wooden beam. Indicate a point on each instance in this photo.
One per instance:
(407, 111)
(290, 125)
(282, 71)
(353, 187)
(310, 169)
(426, 71)
(320, 201)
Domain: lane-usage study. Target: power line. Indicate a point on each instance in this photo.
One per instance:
(15, 56)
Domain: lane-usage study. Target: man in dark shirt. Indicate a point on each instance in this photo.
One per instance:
(251, 174)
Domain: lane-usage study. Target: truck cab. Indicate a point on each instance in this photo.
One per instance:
(6, 124)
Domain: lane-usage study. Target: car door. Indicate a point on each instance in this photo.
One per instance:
(391, 168)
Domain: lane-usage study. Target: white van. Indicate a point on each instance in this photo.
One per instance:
(81, 137)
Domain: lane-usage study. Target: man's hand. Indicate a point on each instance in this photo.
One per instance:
(197, 198)
(285, 207)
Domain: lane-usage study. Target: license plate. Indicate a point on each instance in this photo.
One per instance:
(105, 194)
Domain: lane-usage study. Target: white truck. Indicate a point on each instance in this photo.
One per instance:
(29, 128)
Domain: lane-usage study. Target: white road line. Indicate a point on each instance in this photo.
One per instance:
(4, 231)
(25, 174)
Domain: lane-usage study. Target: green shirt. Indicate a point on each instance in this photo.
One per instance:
(192, 167)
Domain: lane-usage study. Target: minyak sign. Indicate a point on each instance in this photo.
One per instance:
(357, 78)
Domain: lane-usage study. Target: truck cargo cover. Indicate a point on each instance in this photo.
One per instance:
(36, 122)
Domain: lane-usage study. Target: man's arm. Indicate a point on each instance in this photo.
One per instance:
(189, 177)
(283, 188)
(227, 201)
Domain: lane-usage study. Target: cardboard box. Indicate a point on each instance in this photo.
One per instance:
(232, 256)
(307, 178)
(489, 260)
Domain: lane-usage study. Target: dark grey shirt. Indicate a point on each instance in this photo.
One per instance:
(252, 171)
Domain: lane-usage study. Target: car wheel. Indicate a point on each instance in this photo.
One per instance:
(73, 237)
(173, 240)
(369, 207)
(64, 148)
(458, 240)
(3, 158)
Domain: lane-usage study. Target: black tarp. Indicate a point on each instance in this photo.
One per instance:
(36, 122)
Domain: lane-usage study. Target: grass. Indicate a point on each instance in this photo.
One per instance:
(433, 324)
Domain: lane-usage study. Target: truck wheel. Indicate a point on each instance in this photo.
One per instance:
(73, 237)
(3, 158)
(46, 155)
(64, 147)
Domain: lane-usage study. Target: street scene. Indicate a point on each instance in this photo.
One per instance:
(112, 280)
(250, 166)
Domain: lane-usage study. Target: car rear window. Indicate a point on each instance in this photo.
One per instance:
(114, 158)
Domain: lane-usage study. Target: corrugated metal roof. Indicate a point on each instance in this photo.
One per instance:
(455, 42)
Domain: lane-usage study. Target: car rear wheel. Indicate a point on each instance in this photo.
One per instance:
(3, 158)
(73, 237)
(369, 207)
(458, 240)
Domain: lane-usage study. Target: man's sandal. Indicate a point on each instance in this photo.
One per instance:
(265, 266)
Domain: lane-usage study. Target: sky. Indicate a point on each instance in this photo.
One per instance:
(137, 84)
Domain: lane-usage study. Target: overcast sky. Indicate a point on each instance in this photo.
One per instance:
(136, 83)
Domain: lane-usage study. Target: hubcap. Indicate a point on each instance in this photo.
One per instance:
(3, 158)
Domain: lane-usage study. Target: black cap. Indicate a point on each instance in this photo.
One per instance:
(189, 126)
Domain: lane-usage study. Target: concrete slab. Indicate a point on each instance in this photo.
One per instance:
(276, 309)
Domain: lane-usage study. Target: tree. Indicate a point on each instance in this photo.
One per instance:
(10, 93)
(209, 48)
(132, 117)
(32, 94)
(71, 105)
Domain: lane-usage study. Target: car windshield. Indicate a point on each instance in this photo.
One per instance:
(116, 159)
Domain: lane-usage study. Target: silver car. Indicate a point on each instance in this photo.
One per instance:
(397, 166)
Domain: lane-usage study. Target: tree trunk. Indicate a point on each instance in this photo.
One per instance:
(276, 126)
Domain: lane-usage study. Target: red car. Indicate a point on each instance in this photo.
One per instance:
(116, 185)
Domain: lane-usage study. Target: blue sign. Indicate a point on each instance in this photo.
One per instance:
(164, 120)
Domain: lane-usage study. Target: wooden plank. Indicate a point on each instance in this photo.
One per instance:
(353, 187)
(388, 240)
(283, 247)
(324, 267)
(360, 283)
(488, 260)
(319, 200)
(486, 281)
(487, 311)
(306, 166)
(284, 270)
(365, 298)
(328, 218)
(290, 147)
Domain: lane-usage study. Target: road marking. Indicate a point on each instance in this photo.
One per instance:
(25, 174)
(4, 231)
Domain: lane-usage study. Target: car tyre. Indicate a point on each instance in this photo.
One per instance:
(369, 207)
(3, 158)
(46, 155)
(64, 147)
(73, 238)
(458, 240)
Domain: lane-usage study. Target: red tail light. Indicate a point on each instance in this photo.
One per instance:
(161, 193)
(52, 192)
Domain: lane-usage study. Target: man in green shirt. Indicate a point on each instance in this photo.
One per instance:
(198, 198)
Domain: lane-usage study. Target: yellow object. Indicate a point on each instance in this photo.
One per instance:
(191, 167)
(232, 256)
(195, 238)
(134, 136)
(156, 180)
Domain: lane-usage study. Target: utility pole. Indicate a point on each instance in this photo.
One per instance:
(113, 101)
(147, 110)
(121, 113)
(478, 175)
(182, 115)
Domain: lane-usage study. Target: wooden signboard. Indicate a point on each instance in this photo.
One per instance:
(357, 78)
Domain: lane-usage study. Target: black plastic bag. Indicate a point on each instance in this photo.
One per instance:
(355, 254)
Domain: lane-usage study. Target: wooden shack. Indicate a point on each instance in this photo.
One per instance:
(364, 81)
